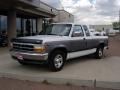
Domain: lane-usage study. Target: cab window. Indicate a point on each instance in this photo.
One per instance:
(77, 31)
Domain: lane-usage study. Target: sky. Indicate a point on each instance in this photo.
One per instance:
(54, 3)
(90, 11)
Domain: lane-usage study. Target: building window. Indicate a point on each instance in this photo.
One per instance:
(3, 30)
(18, 26)
(3, 25)
(26, 27)
(34, 24)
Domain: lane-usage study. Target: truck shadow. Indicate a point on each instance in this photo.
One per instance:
(45, 68)
(36, 67)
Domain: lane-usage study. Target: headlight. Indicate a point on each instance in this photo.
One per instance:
(39, 48)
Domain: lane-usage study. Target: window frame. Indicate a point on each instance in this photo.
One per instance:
(87, 34)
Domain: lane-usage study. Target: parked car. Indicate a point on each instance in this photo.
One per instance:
(111, 32)
(96, 33)
(103, 33)
(60, 42)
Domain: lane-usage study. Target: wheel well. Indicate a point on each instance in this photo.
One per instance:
(64, 50)
(102, 45)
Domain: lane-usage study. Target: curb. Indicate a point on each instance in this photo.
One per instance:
(62, 81)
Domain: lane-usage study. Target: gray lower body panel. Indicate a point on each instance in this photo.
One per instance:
(34, 57)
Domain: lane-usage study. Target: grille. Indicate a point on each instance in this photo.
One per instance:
(25, 47)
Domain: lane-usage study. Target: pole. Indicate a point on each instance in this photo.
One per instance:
(119, 21)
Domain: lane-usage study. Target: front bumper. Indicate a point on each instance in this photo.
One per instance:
(29, 56)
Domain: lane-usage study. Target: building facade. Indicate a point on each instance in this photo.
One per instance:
(101, 27)
(20, 18)
(64, 16)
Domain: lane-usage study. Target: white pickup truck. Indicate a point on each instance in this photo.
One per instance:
(60, 42)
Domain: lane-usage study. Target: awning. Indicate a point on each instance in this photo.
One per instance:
(28, 6)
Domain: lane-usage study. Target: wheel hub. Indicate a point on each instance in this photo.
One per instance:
(58, 61)
(100, 52)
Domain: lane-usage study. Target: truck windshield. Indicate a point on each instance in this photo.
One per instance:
(58, 29)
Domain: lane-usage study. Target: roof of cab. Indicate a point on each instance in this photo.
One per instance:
(63, 23)
(69, 23)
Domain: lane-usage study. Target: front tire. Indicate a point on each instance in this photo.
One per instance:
(56, 60)
(99, 53)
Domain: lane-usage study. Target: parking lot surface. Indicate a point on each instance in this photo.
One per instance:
(85, 68)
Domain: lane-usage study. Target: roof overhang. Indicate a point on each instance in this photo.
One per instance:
(26, 7)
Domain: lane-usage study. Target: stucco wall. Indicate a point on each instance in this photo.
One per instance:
(64, 16)
(101, 27)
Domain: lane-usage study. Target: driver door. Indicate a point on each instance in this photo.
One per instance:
(78, 42)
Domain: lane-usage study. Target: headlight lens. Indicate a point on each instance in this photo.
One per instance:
(39, 48)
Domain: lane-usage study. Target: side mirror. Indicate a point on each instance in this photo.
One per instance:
(77, 34)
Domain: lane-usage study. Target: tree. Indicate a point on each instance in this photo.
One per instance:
(116, 26)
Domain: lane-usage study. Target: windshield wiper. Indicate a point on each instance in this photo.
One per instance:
(51, 34)
(55, 34)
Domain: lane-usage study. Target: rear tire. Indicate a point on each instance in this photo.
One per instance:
(99, 52)
(57, 60)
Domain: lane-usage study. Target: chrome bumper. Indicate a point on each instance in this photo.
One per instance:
(29, 56)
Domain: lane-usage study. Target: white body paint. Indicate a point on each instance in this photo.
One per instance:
(80, 53)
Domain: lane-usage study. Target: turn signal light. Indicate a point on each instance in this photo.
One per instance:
(39, 50)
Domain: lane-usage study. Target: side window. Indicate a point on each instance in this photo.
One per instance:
(86, 30)
(77, 31)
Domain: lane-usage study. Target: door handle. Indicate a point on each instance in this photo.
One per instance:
(84, 39)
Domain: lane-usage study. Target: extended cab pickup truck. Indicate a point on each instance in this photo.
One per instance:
(60, 42)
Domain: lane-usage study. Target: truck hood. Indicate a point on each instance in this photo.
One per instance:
(45, 38)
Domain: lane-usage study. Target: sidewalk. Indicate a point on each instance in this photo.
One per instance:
(13, 84)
